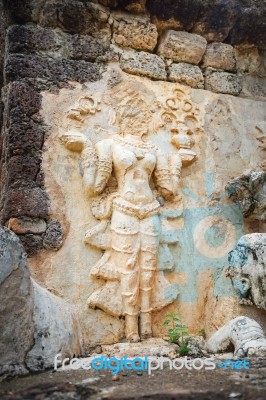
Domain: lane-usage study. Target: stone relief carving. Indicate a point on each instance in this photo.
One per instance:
(247, 270)
(244, 333)
(129, 179)
(181, 117)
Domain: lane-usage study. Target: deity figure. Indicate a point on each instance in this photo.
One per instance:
(130, 230)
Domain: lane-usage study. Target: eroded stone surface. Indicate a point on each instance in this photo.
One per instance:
(35, 324)
(249, 60)
(186, 74)
(247, 269)
(56, 330)
(143, 64)
(28, 66)
(216, 19)
(149, 347)
(223, 82)
(244, 333)
(27, 225)
(16, 308)
(248, 191)
(53, 237)
(77, 17)
(134, 31)
(182, 47)
(220, 56)
(254, 87)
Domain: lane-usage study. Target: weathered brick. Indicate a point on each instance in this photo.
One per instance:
(24, 139)
(220, 56)
(186, 74)
(24, 225)
(22, 170)
(217, 18)
(143, 64)
(182, 47)
(77, 17)
(222, 82)
(136, 32)
(30, 39)
(31, 243)
(53, 237)
(254, 87)
(61, 70)
(85, 47)
(32, 202)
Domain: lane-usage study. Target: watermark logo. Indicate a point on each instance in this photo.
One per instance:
(236, 364)
(149, 364)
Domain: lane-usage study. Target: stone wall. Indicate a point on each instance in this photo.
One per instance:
(58, 50)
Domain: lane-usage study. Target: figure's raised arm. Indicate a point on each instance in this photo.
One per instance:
(97, 166)
(167, 174)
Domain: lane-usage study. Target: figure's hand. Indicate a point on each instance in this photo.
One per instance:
(167, 194)
(88, 181)
(74, 140)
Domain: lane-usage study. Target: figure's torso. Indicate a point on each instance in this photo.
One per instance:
(133, 168)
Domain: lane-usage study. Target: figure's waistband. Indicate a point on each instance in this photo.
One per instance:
(141, 212)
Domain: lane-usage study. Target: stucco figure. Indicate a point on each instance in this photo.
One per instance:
(129, 178)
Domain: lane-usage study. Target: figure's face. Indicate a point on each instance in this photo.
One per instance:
(181, 137)
(181, 129)
(137, 125)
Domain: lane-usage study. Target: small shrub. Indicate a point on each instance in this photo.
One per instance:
(177, 333)
(183, 350)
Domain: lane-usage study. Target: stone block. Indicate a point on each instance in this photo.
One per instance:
(134, 6)
(32, 39)
(77, 17)
(22, 170)
(186, 74)
(251, 61)
(61, 70)
(179, 14)
(24, 139)
(23, 101)
(53, 237)
(222, 82)
(136, 32)
(250, 28)
(217, 18)
(248, 192)
(16, 306)
(143, 64)
(31, 243)
(32, 202)
(220, 56)
(23, 225)
(85, 47)
(254, 87)
(35, 324)
(56, 330)
(182, 47)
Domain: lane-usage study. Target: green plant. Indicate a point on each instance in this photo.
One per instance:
(177, 333)
(183, 350)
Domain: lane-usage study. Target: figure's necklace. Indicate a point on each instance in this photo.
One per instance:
(136, 145)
